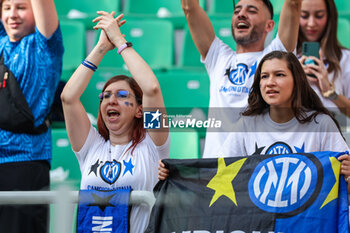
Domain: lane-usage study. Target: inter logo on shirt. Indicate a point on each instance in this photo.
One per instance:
(279, 148)
(239, 75)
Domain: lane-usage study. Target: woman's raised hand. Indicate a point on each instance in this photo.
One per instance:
(111, 27)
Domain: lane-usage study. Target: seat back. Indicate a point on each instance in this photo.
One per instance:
(343, 7)
(73, 33)
(185, 90)
(153, 39)
(161, 8)
(88, 7)
(190, 56)
(343, 32)
(221, 7)
(277, 6)
(64, 165)
(184, 144)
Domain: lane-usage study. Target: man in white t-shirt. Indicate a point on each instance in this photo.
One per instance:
(231, 72)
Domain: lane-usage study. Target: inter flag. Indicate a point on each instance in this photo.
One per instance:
(103, 211)
(255, 194)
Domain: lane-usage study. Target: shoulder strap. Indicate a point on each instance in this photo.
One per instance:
(2, 59)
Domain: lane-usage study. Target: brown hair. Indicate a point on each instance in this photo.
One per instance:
(329, 43)
(267, 3)
(304, 98)
(139, 132)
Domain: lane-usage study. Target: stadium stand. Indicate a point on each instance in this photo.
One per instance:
(220, 8)
(190, 56)
(153, 39)
(343, 7)
(74, 41)
(184, 144)
(85, 10)
(64, 166)
(277, 6)
(184, 89)
(343, 32)
(168, 9)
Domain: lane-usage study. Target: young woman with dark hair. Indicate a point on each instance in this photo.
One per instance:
(329, 75)
(120, 145)
(284, 115)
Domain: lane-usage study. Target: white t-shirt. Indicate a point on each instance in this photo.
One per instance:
(261, 135)
(102, 170)
(231, 77)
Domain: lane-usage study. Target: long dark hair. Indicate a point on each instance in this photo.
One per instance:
(139, 132)
(329, 43)
(304, 98)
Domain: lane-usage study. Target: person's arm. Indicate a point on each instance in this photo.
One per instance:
(46, 19)
(288, 27)
(322, 81)
(163, 172)
(140, 71)
(345, 168)
(76, 119)
(343, 104)
(201, 29)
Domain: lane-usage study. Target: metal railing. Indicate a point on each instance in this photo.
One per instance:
(65, 200)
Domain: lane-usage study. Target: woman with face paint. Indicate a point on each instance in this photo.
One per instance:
(120, 137)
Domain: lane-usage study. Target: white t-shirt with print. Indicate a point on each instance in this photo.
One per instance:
(102, 170)
(231, 77)
(261, 135)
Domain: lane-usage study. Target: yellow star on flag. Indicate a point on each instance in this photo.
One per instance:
(222, 181)
(333, 194)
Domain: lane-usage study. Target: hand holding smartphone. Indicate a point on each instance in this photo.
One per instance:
(310, 49)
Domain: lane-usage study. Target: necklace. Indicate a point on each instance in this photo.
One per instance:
(121, 154)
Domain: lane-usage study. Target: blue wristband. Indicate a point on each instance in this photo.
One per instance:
(89, 65)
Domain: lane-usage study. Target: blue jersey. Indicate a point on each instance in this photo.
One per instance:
(36, 63)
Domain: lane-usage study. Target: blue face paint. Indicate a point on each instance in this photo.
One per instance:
(129, 104)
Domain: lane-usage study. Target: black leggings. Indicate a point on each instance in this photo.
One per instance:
(24, 176)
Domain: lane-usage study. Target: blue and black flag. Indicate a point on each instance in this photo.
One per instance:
(103, 211)
(260, 194)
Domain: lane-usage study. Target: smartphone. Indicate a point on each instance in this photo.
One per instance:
(311, 49)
